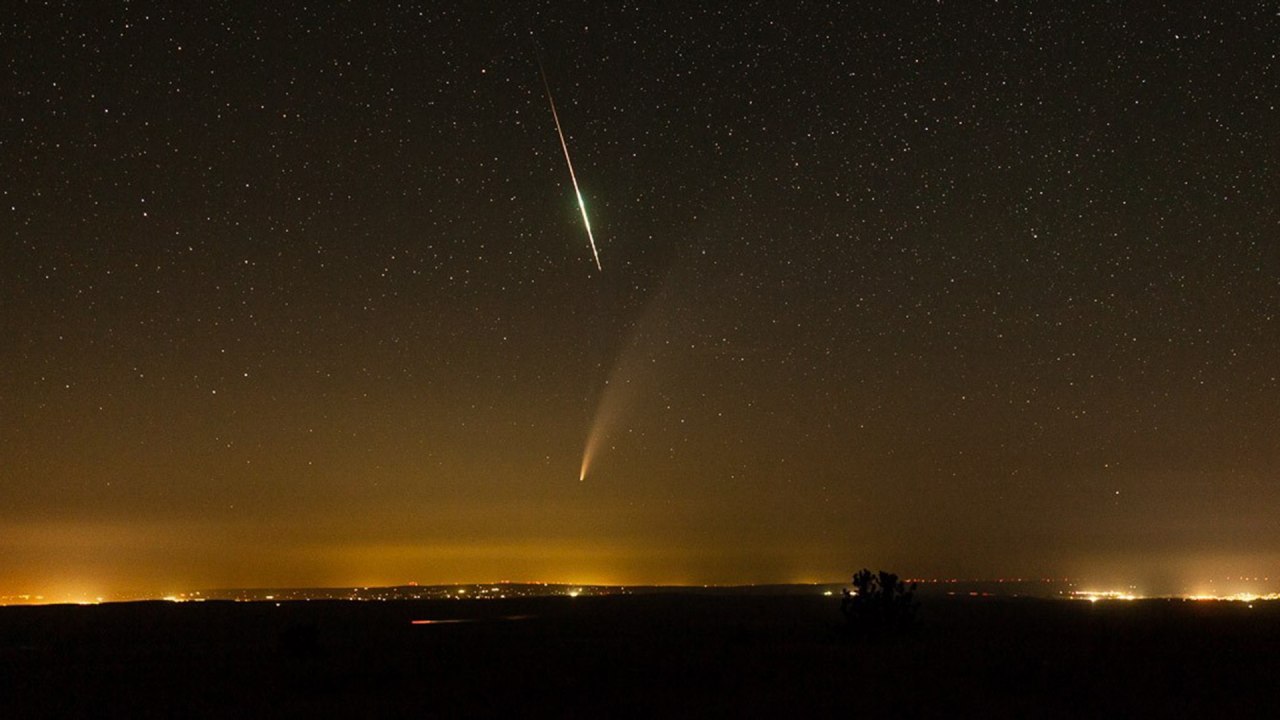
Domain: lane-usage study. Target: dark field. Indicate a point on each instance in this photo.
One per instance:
(654, 655)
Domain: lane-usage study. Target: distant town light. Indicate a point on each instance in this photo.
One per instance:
(1096, 595)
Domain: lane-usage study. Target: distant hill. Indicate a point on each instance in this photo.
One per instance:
(482, 591)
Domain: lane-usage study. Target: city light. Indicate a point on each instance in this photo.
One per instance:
(1096, 595)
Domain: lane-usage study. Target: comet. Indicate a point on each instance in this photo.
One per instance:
(567, 161)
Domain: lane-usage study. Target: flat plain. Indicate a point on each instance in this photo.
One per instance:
(667, 655)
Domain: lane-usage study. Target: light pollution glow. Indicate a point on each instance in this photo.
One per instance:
(1124, 595)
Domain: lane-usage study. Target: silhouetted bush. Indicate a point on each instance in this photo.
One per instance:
(879, 604)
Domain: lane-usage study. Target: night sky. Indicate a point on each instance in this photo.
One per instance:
(301, 294)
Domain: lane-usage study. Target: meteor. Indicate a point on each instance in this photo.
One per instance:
(564, 145)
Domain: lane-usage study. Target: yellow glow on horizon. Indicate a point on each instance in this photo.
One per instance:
(1245, 597)
(1096, 595)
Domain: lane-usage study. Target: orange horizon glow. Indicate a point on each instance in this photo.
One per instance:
(577, 587)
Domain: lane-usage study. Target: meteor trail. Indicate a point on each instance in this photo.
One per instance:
(581, 205)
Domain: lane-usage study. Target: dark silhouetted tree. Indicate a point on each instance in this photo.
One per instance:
(879, 604)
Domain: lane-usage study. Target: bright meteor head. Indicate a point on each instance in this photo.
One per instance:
(564, 145)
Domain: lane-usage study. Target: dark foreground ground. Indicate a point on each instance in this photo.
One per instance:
(665, 655)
